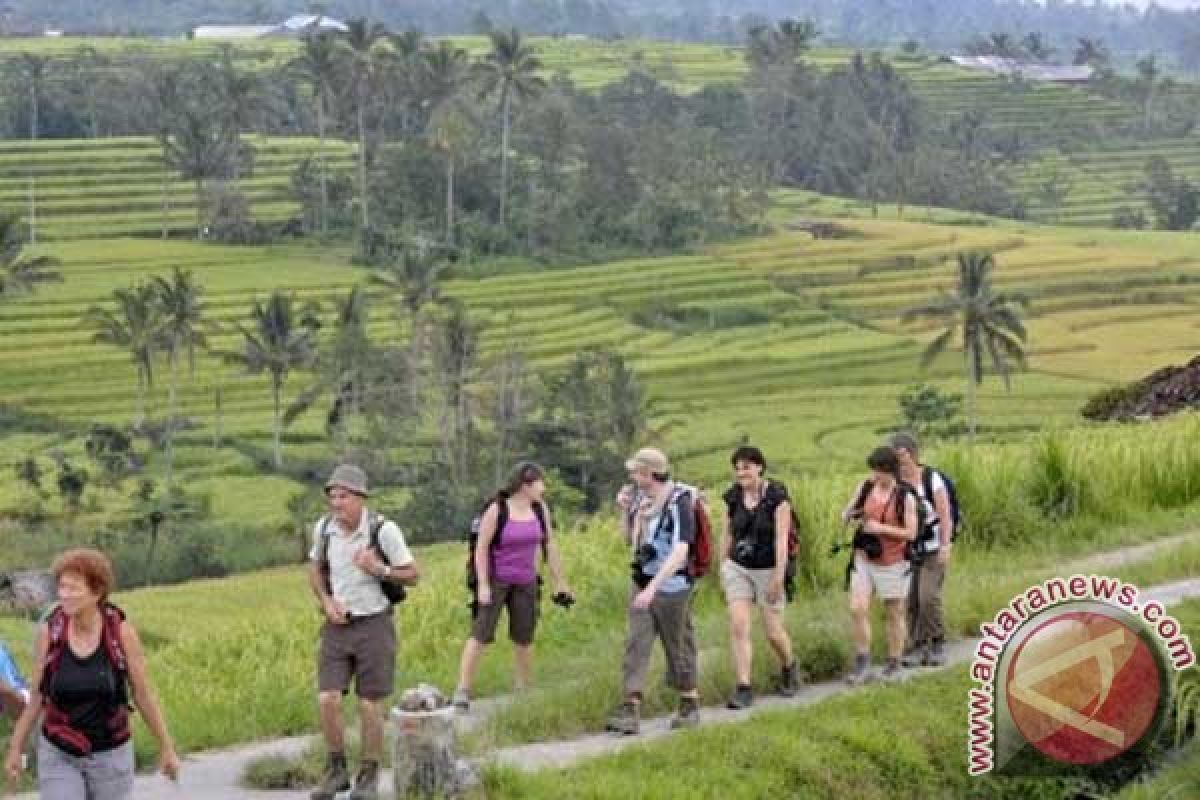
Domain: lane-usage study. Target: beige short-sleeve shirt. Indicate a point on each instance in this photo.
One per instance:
(357, 590)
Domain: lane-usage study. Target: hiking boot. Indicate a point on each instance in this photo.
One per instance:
(861, 673)
(688, 715)
(936, 657)
(892, 671)
(743, 697)
(366, 785)
(462, 700)
(789, 681)
(336, 779)
(915, 656)
(625, 719)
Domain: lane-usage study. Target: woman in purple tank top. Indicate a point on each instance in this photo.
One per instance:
(506, 566)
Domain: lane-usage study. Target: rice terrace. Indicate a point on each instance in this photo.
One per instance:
(262, 266)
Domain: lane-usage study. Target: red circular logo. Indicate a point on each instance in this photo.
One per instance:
(1083, 687)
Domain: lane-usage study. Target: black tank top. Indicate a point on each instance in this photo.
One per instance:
(87, 691)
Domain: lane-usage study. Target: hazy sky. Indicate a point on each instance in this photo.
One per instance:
(1160, 3)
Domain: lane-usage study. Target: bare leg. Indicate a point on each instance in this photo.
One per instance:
(472, 652)
(897, 626)
(330, 706)
(739, 637)
(371, 712)
(777, 635)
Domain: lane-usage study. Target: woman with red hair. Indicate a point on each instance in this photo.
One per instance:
(89, 666)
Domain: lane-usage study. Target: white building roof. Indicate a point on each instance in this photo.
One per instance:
(1028, 70)
(231, 31)
(301, 23)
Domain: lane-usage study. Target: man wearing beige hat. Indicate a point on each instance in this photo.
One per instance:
(354, 553)
(659, 523)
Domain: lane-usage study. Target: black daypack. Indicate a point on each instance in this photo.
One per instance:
(927, 474)
(501, 501)
(871, 544)
(394, 592)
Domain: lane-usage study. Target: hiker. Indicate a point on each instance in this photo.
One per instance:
(658, 521)
(355, 553)
(14, 691)
(513, 529)
(886, 513)
(754, 560)
(926, 625)
(89, 665)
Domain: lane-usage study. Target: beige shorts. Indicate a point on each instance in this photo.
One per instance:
(740, 583)
(890, 583)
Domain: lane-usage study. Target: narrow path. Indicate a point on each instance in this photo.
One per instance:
(213, 774)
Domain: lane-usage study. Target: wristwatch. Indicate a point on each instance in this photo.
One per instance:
(387, 572)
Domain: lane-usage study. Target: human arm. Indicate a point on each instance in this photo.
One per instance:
(146, 700)
(553, 556)
(783, 526)
(13, 762)
(907, 531)
(941, 504)
(483, 554)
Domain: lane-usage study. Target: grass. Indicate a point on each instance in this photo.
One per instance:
(899, 741)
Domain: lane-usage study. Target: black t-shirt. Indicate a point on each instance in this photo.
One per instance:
(753, 530)
(88, 691)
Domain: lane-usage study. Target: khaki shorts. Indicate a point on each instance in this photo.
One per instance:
(890, 583)
(742, 583)
(365, 650)
(521, 600)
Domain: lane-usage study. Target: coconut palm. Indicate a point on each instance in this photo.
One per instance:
(361, 46)
(317, 65)
(136, 326)
(989, 322)
(195, 147)
(414, 279)
(239, 97)
(508, 70)
(21, 273)
(182, 332)
(33, 70)
(276, 342)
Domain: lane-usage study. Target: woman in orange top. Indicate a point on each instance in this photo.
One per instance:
(887, 514)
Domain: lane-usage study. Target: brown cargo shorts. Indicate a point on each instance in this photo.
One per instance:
(521, 600)
(365, 650)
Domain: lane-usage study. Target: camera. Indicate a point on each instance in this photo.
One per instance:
(563, 599)
(869, 543)
(644, 555)
(744, 551)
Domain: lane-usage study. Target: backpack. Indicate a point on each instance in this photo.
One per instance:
(700, 552)
(912, 550)
(793, 547)
(927, 474)
(394, 592)
(57, 724)
(500, 499)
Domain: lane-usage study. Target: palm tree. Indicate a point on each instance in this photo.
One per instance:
(276, 342)
(136, 326)
(317, 65)
(182, 332)
(509, 69)
(239, 98)
(196, 148)
(414, 277)
(1090, 52)
(1037, 47)
(990, 324)
(361, 47)
(19, 273)
(33, 70)
(452, 130)
(444, 69)
(165, 102)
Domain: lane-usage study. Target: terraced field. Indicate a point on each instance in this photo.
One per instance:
(114, 187)
(1066, 122)
(817, 380)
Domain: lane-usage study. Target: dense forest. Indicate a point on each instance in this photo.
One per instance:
(1175, 35)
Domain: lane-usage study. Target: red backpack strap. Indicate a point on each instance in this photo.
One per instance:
(56, 628)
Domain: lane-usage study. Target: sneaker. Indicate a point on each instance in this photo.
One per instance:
(937, 655)
(366, 785)
(892, 671)
(861, 673)
(336, 779)
(462, 700)
(915, 656)
(625, 720)
(743, 697)
(789, 681)
(688, 715)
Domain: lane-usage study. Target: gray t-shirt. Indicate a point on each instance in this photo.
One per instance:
(354, 588)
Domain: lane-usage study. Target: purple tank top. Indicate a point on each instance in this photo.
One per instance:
(515, 559)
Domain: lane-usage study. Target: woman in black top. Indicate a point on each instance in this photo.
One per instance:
(758, 521)
(89, 666)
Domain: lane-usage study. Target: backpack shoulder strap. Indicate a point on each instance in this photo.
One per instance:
(864, 491)
(927, 474)
(501, 502)
(323, 535)
(540, 511)
(377, 521)
(113, 617)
